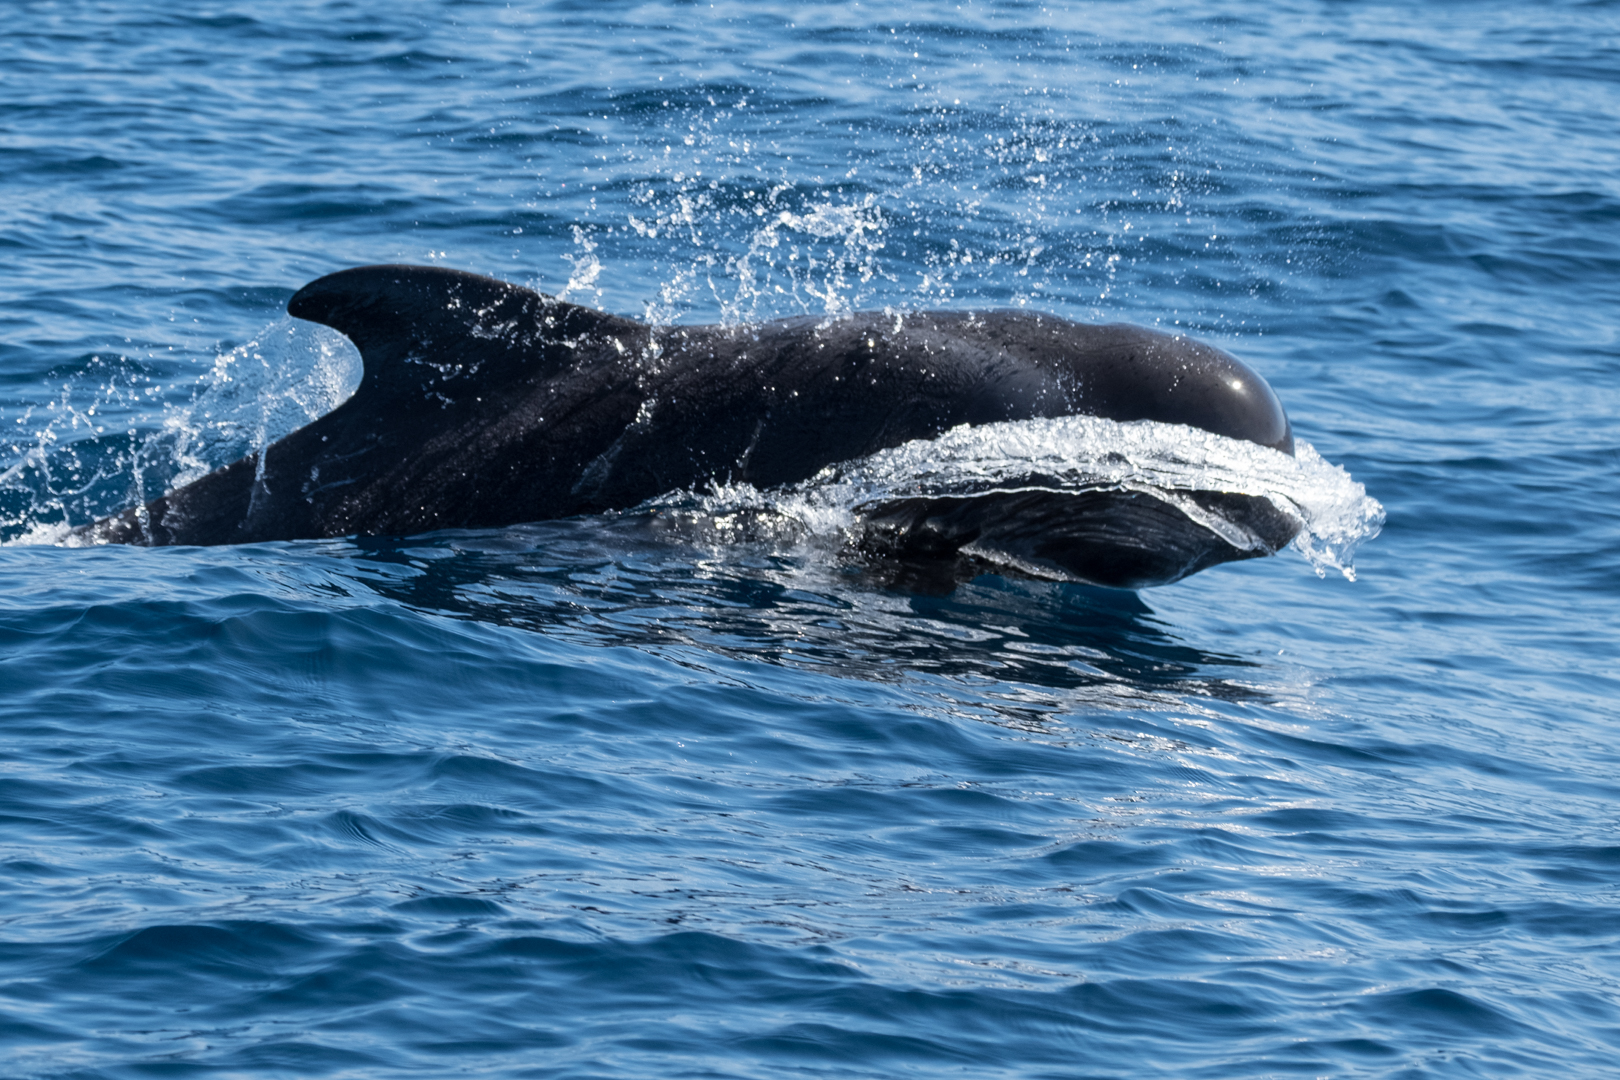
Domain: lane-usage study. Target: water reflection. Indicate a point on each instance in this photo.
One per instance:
(1025, 648)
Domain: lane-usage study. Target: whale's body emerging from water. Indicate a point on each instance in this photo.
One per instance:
(485, 404)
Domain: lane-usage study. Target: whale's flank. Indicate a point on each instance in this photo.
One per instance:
(485, 404)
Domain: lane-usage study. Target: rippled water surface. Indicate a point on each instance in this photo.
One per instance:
(589, 798)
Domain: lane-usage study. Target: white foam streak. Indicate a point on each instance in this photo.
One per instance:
(1082, 453)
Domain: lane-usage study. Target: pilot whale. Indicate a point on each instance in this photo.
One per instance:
(485, 404)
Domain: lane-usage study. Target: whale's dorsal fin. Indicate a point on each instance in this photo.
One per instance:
(428, 334)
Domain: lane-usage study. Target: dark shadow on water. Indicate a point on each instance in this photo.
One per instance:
(614, 581)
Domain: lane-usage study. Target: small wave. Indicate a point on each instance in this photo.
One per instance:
(1170, 462)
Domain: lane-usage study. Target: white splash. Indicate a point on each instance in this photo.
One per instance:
(824, 247)
(291, 373)
(72, 469)
(1083, 453)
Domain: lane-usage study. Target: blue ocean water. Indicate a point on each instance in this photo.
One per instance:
(568, 800)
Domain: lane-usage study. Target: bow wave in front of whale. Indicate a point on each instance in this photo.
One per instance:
(951, 443)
